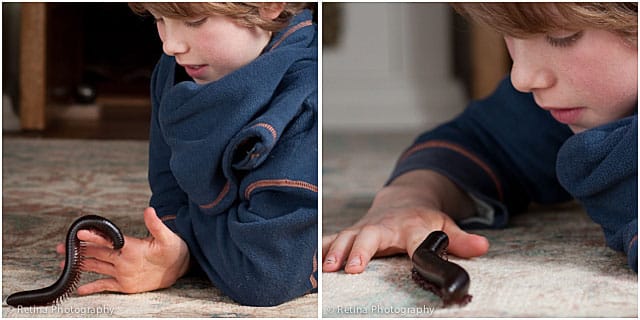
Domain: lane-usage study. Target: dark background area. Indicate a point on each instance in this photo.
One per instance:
(96, 54)
(105, 46)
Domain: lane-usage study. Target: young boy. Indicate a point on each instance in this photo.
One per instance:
(232, 156)
(562, 126)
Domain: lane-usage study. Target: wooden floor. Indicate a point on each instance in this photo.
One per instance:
(128, 123)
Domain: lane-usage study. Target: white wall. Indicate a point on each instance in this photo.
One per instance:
(391, 69)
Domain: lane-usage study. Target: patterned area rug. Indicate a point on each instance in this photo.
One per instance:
(46, 184)
(550, 261)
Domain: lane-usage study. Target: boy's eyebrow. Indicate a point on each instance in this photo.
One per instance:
(152, 13)
(179, 17)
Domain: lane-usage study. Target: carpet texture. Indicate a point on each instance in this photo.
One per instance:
(47, 184)
(549, 262)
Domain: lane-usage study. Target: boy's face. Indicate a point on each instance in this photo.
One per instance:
(584, 78)
(211, 46)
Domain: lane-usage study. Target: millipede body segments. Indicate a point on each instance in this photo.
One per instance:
(70, 276)
(446, 279)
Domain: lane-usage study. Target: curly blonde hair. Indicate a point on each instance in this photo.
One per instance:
(244, 13)
(524, 19)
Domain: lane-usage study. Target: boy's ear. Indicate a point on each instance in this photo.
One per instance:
(271, 10)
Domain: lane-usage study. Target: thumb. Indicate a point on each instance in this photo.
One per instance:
(159, 231)
(464, 244)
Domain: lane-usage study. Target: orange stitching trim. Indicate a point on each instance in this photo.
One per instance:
(462, 151)
(314, 281)
(290, 31)
(169, 217)
(267, 126)
(221, 196)
(635, 238)
(279, 183)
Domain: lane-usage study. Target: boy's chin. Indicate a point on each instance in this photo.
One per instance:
(202, 81)
(577, 129)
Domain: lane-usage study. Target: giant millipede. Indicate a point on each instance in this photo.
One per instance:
(446, 279)
(73, 261)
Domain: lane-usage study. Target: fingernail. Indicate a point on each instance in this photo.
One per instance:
(330, 260)
(355, 261)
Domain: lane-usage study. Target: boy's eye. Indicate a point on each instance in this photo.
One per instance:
(195, 23)
(563, 41)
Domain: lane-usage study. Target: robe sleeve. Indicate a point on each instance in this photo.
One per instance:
(501, 150)
(262, 249)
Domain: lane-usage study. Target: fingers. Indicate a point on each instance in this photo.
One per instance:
(415, 238)
(105, 254)
(354, 248)
(464, 244)
(86, 236)
(94, 238)
(327, 241)
(364, 247)
(90, 238)
(107, 284)
(98, 266)
(101, 267)
(461, 243)
(339, 248)
(416, 229)
(95, 246)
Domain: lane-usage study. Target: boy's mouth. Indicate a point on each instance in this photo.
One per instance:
(565, 115)
(194, 70)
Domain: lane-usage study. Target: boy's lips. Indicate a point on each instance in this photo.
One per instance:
(194, 70)
(565, 115)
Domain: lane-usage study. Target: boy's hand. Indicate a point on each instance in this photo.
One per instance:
(141, 265)
(399, 219)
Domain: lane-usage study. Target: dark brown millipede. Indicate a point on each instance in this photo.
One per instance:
(446, 279)
(73, 261)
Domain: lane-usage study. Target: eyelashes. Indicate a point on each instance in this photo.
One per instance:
(188, 23)
(195, 23)
(563, 42)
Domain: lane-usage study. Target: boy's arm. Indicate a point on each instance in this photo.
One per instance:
(499, 154)
(167, 198)
(262, 250)
(501, 150)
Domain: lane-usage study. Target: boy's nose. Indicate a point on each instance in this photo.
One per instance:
(526, 77)
(529, 71)
(173, 45)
